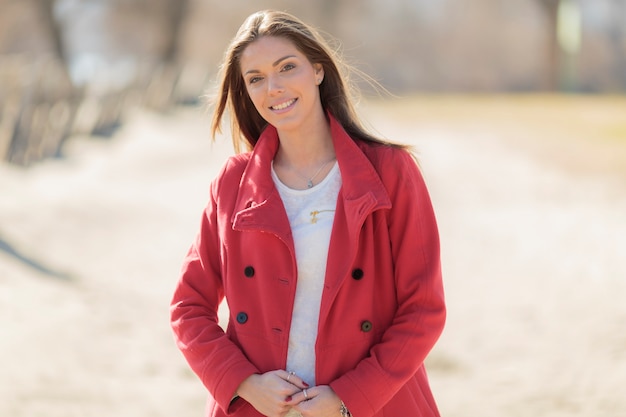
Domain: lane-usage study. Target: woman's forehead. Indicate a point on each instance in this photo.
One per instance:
(267, 51)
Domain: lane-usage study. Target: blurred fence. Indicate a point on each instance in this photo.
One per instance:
(40, 108)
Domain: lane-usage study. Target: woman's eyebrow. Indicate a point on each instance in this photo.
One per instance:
(275, 63)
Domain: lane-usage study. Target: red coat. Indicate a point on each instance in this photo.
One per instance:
(382, 307)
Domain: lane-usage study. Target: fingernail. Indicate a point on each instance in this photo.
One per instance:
(288, 399)
(305, 384)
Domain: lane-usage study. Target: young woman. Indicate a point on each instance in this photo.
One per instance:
(322, 240)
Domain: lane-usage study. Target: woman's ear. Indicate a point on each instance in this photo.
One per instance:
(319, 73)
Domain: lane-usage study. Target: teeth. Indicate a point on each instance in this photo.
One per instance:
(284, 105)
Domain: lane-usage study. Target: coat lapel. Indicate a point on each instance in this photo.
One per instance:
(361, 194)
(259, 206)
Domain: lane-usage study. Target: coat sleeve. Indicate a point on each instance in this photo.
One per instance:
(218, 362)
(420, 316)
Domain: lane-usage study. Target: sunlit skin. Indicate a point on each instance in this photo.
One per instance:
(284, 87)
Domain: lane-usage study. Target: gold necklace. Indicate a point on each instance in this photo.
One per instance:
(314, 214)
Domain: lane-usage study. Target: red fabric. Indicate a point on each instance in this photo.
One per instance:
(384, 226)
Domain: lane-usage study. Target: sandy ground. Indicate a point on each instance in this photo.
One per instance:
(534, 249)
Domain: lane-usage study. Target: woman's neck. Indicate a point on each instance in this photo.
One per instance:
(304, 159)
(305, 149)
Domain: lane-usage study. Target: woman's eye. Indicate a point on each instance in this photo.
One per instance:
(254, 80)
(288, 67)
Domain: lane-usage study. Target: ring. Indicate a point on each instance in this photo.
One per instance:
(289, 375)
(306, 397)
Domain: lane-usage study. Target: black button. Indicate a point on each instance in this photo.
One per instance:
(357, 274)
(242, 318)
(366, 326)
(249, 271)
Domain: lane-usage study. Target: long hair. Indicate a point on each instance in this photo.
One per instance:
(246, 123)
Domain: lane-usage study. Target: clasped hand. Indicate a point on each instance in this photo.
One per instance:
(274, 393)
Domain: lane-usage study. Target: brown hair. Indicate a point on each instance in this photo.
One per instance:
(246, 123)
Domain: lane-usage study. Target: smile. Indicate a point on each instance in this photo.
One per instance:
(284, 105)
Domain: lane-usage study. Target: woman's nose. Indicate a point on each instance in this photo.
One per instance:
(274, 86)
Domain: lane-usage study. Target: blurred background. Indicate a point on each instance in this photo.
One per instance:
(74, 65)
(517, 112)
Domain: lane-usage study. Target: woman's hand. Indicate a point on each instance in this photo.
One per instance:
(268, 392)
(320, 401)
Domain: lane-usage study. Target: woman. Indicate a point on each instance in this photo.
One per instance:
(322, 240)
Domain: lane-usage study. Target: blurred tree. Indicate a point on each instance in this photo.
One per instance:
(551, 10)
(176, 11)
(46, 11)
(617, 35)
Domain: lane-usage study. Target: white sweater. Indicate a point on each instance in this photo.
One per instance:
(311, 214)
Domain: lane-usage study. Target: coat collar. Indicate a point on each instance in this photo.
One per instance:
(259, 205)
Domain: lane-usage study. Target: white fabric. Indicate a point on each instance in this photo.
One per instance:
(311, 214)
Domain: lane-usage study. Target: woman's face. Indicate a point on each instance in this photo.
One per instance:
(282, 83)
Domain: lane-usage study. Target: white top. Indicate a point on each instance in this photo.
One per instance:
(311, 213)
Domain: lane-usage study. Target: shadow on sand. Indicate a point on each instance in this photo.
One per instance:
(32, 263)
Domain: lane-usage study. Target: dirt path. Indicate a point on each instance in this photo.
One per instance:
(533, 251)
